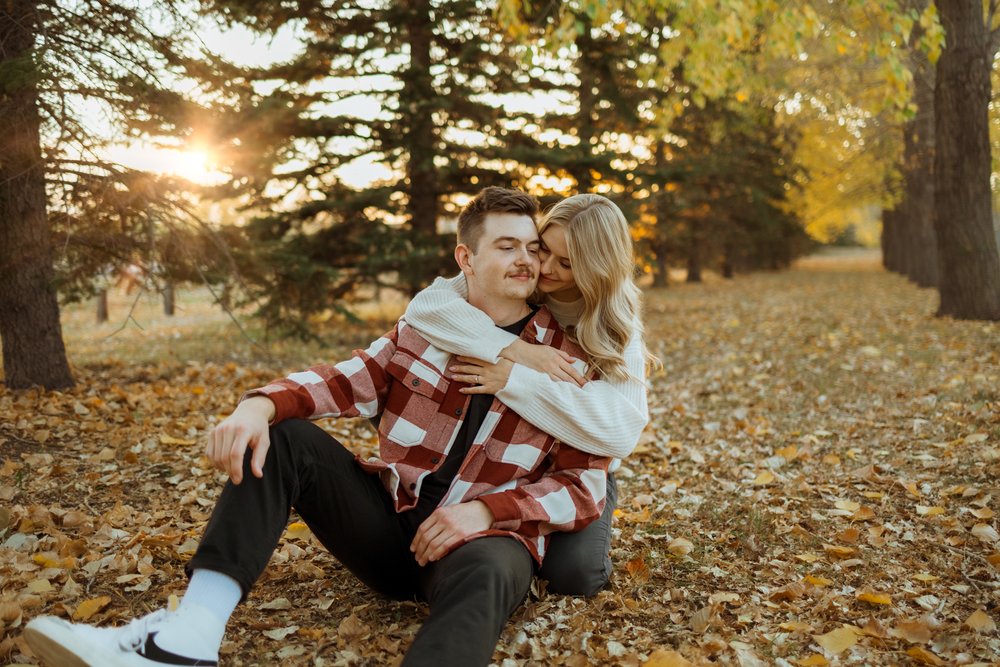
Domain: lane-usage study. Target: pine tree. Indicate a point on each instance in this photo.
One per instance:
(57, 59)
(436, 72)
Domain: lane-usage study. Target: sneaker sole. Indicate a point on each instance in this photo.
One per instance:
(49, 641)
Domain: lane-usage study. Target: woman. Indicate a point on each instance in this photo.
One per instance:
(587, 264)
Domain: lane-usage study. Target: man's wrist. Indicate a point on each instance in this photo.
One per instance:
(260, 405)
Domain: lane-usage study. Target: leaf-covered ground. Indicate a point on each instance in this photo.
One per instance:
(818, 485)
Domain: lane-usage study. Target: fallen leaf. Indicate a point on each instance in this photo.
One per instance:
(924, 656)
(88, 608)
(680, 546)
(875, 598)
(277, 604)
(815, 660)
(926, 578)
(924, 510)
(821, 582)
(352, 628)
(298, 531)
(278, 634)
(662, 658)
(838, 552)
(39, 586)
(915, 632)
(170, 440)
(980, 621)
(764, 478)
(795, 626)
(986, 532)
(839, 640)
(847, 505)
(863, 514)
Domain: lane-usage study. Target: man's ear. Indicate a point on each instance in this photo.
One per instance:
(463, 256)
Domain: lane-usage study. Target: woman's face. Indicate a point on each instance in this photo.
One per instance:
(556, 275)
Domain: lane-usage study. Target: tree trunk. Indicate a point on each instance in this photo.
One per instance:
(918, 247)
(102, 306)
(168, 299)
(417, 102)
(694, 261)
(969, 262)
(585, 98)
(33, 350)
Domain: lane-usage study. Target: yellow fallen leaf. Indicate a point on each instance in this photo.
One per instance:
(637, 569)
(169, 440)
(915, 632)
(980, 621)
(40, 586)
(795, 626)
(839, 640)
(849, 535)
(924, 510)
(983, 513)
(680, 547)
(817, 581)
(764, 478)
(863, 514)
(815, 660)
(994, 559)
(88, 608)
(788, 453)
(838, 552)
(926, 578)
(873, 495)
(924, 656)
(831, 459)
(662, 658)
(875, 598)
(847, 505)
(298, 531)
(912, 488)
(45, 560)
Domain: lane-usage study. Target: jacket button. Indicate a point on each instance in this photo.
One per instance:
(458, 412)
(435, 459)
(415, 383)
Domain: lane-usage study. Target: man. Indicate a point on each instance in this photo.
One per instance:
(455, 509)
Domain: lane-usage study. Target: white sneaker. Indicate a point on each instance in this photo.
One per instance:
(60, 643)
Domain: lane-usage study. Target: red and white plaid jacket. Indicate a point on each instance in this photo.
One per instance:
(533, 484)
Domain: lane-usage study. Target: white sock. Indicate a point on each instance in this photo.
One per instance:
(218, 593)
(197, 628)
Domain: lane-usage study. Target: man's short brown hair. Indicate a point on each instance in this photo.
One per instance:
(492, 200)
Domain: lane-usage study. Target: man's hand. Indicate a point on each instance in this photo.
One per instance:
(557, 364)
(246, 427)
(448, 526)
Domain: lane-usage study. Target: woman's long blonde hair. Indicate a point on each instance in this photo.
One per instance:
(602, 257)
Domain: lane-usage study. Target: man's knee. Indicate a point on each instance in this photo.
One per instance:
(498, 566)
(577, 576)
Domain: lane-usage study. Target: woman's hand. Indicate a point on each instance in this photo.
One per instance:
(485, 377)
(557, 364)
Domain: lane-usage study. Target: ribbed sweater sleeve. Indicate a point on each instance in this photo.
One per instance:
(603, 417)
(442, 315)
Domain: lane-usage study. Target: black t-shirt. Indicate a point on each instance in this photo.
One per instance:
(436, 484)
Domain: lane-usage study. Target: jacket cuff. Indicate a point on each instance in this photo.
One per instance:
(503, 507)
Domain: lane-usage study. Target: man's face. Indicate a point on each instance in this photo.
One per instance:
(505, 263)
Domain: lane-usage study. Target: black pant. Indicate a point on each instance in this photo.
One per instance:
(472, 591)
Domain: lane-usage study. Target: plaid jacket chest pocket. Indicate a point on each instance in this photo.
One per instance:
(515, 442)
(411, 409)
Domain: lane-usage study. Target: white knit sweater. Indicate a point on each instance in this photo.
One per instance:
(602, 417)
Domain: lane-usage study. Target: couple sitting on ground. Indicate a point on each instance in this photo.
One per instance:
(495, 444)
